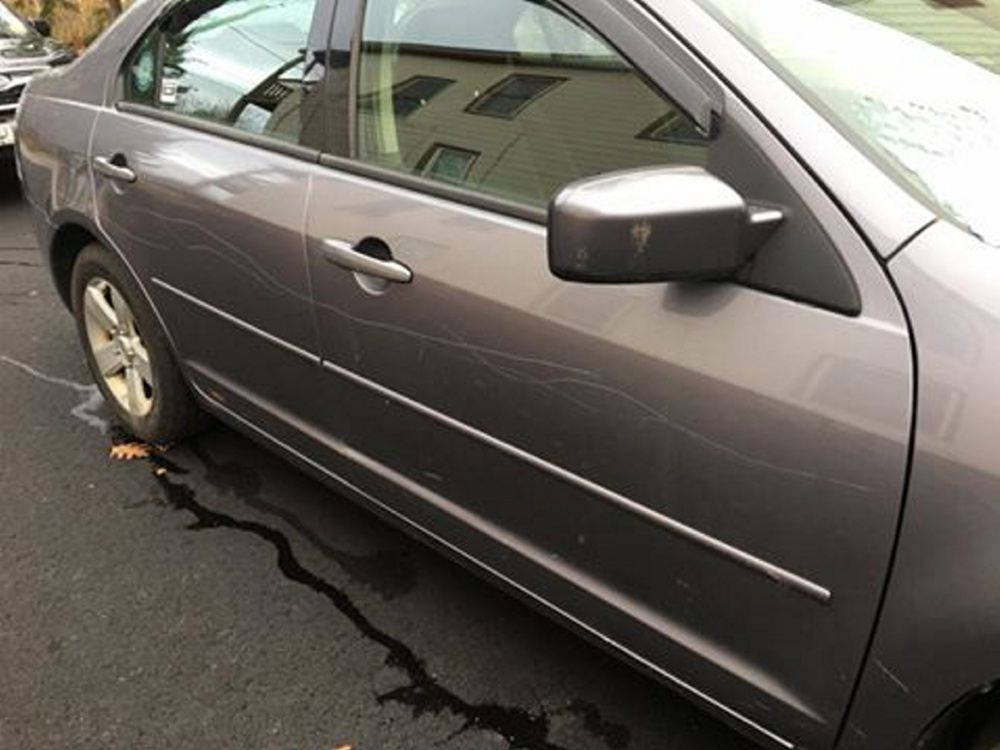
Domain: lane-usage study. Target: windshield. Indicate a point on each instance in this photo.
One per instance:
(914, 83)
(11, 26)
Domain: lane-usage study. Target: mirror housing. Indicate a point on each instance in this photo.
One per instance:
(41, 25)
(654, 225)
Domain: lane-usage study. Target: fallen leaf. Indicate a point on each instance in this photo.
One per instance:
(343, 747)
(130, 451)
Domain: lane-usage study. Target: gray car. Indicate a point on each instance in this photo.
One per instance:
(681, 320)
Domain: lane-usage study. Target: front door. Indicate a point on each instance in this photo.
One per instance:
(707, 475)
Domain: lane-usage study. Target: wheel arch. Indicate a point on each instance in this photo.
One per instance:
(957, 725)
(71, 236)
(74, 232)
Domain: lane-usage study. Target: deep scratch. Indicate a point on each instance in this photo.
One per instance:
(893, 678)
(451, 343)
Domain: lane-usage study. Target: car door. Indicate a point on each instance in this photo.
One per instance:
(202, 174)
(706, 476)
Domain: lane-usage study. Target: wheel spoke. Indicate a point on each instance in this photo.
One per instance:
(136, 392)
(120, 356)
(122, 311)
(98, 308)
(108, 358)
(141, 363)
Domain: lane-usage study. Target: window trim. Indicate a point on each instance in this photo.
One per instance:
(437, 189)
(419, 184)
(222, 130)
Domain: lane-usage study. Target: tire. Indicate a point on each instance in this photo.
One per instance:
(128, 353)
(988, 737)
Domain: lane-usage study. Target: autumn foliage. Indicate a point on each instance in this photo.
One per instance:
(77, 22)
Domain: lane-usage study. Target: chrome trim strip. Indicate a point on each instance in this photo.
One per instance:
(755, 564)
(526, 592)
(773, 572)
(23, 71)
(237, 321)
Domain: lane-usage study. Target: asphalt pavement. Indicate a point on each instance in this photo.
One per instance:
(235, 603)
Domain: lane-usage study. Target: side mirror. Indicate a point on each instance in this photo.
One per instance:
(40, 25)
(648, 225)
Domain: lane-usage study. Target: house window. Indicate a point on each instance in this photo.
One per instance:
(447, 163)
(408, 96)
(512, 95)
(673, 128)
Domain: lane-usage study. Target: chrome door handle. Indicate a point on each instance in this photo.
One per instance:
(105, 166)
(345, 255)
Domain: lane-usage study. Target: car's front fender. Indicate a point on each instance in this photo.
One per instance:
(939, 629)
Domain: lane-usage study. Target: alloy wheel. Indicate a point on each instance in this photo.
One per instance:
(117, 347)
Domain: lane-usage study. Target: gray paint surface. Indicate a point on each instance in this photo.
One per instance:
(706, 478)
(938, 632)
(675, 394)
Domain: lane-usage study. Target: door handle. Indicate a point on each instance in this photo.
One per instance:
(107, 167)
(346, 255)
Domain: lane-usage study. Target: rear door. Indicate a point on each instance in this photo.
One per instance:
(202, 176)
(706, 475)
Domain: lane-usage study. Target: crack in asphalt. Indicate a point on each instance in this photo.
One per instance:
(521, 728)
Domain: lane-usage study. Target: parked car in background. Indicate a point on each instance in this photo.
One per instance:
(680, 319)
(25, 49)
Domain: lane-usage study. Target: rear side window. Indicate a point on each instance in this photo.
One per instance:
(242, 63)
(510, 98)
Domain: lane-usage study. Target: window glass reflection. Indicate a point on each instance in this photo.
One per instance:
(533, 99)
(243, 63)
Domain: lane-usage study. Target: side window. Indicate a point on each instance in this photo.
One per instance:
(242, 63)
(140, 83)
(512, 98)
